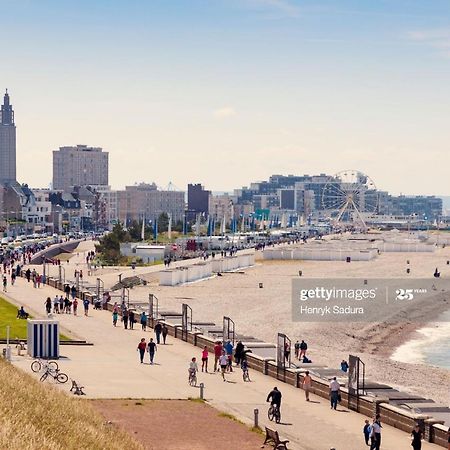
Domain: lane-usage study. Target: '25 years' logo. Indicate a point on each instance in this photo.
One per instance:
(404, 294)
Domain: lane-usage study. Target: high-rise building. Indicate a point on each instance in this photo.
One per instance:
(198, 199)
(79, 166)
(7, 142)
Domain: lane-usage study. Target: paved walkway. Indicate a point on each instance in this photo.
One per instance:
(111, 369)
(110, 275)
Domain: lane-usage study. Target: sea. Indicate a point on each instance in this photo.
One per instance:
(430, 346)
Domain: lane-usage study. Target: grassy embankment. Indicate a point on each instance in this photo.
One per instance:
(35, 416)
(8, 316)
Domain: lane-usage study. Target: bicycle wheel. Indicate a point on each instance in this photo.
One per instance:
(278, 417)
(44, 376)
(53, 365)
(193, 380)
(270, 413)
(61, 378)
(36, 366)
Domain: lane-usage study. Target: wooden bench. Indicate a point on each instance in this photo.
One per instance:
(273, 439)
(76, 388)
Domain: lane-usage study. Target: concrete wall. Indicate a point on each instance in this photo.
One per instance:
(406, 247)
(321, 254)
(201, 271)
(187, 274)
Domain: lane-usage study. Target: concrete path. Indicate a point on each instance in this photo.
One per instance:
(111, 369)
(110, 275)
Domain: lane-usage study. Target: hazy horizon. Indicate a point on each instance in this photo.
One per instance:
(228, 92)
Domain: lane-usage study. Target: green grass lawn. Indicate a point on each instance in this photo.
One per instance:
(8, 314)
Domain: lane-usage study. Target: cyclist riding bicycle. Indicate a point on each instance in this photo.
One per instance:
(275, 398)
(193, 368)
(244, 367)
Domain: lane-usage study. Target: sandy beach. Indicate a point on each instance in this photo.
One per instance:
(265, 312)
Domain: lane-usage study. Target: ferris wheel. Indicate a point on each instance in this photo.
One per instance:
(348, 194)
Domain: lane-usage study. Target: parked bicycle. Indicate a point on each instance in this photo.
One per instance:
(56, 375)
(40, 364)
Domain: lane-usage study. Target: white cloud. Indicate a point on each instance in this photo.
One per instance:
(438, 39)
(285, 7)
(226, 111)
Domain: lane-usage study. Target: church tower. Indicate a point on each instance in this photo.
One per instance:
(7, 142)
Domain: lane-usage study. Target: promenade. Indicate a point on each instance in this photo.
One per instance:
(111, 369)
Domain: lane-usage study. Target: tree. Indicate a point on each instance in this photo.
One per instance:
(178, 226)
(109, 246)
(135, 230)
(163, 222)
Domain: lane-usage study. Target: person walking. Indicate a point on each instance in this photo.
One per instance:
(205, 354)
(125, 318)
(303, 347)
(56, 305)
(416, 435)
(367, 431)
(229, 351)
(115, 316)
(48, 305)
(158, 330)
(151, 347)
(86, 306)
(296, 349)
(239, 352)
(344, 366)
(75, 306)
(287, 352)
(61, 304)
(5, 283)
(131, 319)
(165, 332)
(306, 385)
(376, 433)
(141, 348)
(143, 321)
(13, 278)
(72, 290)
(334, 393)
(223, 361)
(217, 353)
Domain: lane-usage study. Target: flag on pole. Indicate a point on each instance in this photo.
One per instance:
(184, 224)
(169, 228)
(243, 224)
(155, 229)
(223, 225)
(197, 225)
(210, 222)
(143, 229)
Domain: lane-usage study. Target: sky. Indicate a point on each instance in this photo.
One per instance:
(226, 92)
